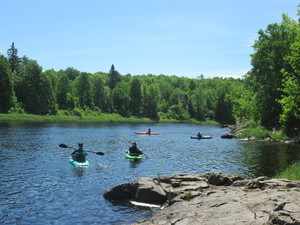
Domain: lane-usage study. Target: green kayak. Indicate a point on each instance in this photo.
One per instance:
(75, 163)
(134, 157)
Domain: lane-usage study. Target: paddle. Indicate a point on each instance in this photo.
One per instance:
(97, 153)
(126, 139)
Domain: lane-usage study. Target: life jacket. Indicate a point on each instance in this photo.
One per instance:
(79, 157)
(134, 151)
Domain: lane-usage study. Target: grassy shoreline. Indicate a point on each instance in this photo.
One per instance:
(251, 129)
(262, 134)
(103, 117)
(291, 173)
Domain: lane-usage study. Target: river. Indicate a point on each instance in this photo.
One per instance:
(39, 186)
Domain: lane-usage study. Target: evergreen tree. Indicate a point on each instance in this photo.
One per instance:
(6, 86)
(13, 58)
(113, 77)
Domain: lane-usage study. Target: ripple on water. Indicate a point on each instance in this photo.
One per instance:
(38, 185)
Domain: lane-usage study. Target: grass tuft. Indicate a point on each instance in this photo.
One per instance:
(291, 173)
(262, 134)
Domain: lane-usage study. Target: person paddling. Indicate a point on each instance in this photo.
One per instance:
(148, 131)
(199, 135)
(79, 155)
(133, 150)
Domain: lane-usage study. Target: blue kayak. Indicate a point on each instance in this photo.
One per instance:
(201, 137)
(75, 163)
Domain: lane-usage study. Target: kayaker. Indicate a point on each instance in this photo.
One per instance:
(133, 150)
(79, 155)
(199, 134)
(148, 131)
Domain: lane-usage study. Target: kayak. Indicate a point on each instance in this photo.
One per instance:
(202, 137)
(75, 163)
(134, 157)
(146, 133)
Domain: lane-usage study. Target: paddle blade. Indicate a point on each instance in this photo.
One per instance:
(99, 153)
(63, 146)
(125, 138)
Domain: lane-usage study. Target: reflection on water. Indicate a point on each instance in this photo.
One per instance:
(38, 183)
(79, 171)
(134, 163)
(268, 159)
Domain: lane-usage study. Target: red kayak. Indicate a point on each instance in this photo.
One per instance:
(146, 133)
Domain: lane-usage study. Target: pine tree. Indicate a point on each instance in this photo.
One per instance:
(13, 58)
(113, 77)
(6, 86)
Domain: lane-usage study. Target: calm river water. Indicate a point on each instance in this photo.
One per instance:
(39, 186)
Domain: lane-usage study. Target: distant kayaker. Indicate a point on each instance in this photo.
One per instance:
(79, 155)
(148, 131)
(133, 150)
(199, 134)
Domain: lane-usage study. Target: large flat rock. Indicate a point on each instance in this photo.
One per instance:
(214, 198)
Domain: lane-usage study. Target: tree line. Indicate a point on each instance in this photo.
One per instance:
(269, 93)
(271, 90)
(29, 89)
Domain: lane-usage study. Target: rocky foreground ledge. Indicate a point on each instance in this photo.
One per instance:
(214, 198)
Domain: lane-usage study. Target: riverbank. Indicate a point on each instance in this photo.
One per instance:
(247, 130)
(213, 198)
(103, 117)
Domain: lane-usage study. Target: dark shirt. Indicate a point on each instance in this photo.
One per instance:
(134, 150)
(79, 155)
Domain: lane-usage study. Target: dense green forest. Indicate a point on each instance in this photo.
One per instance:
(269, 93)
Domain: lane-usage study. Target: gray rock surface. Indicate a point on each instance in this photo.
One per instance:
(142, 190)
(215, 198)
(236, 130)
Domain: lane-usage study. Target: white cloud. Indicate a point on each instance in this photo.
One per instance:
(210, 74)
(226, 74)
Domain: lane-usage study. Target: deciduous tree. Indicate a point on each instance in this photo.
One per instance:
(121, 99)
(290, 102)
(135, 97)
(83, 91)
(272, 46)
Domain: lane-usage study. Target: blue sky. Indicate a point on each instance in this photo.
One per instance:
(172, 37)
